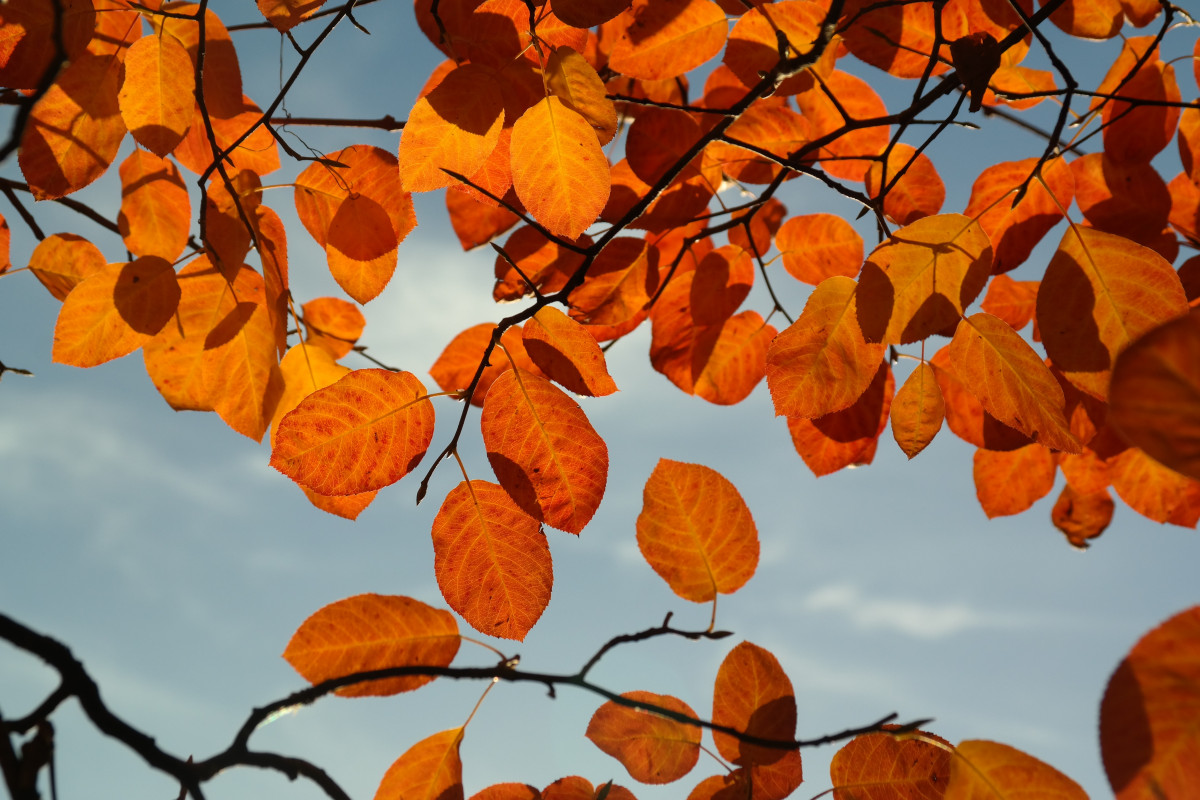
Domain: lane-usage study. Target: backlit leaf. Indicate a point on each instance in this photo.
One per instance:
(257, 152)
(429, 770)
(455, 368)
(619, 282)
(287, 14)
(156, 214)
(1010, 380)
(62, 260)
(157, 96)
(222, 74)
(369, 632)
(1126, 198)
(1154, 491)
(1149, 736)
(729, 359)
(721, 282)
(1082, 515)
(1016, 230)
(475, 222)
(918, 192)
(1139, 132)
(822, 363)
(966, 416)
(27, 30)
(507, 791)
(1089, 19)
(920, 281)
(665, 38)
(652, 748)
(332, 324)
(1010, 482)
(567, 353)
(347, 506)
(1155, 394)
(574, 81)
(114, 311)
(898, 38)
(1100, 292)
(304, 369)
(491, 560)
(364, 432)
(879, 766)
(559, 171)
(753, 44)
(543, 450)
(917, 410)
(696, 531)
(754, 695)
(544, 262)
(453, 127)
(859, 101)
(175, 357)
(981, 769)
(1012, 301)
(819, 246)
(848, 437)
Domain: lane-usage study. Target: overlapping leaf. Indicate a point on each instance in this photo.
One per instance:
(455, 368)
(819, 246)
(848, 437)
(654, 749)
(431, 768)
(1016, 229)
(1010, 482)
(993, 770)
(369, 632)
(754, 695)
(665, 38)
(155, 216)
(332, 324)
(1082, 515)
(156, 97)
(62, 260)
(880, 766)
(567, 353)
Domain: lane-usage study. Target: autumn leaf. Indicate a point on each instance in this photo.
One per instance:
(917, 410)
(848, 437)
(287, 14)
(881, 765)
(665, 38)
(492, 560)
(819, 246)
(1155, 491)
(431, 768)
(753, 694)
(304, 369)
(366, 431)
(654, 749)
(369, 632)
(543, 450)
(567, 353)
(914, 188)
(455, 368)
(1016, 228)
(696, 531)
(1148, 729)
(62, 260)
(155, 217)
(966, 416)
(1082, 515)
(991, 769)
(753, 48)
(157, 95)
(574, 81)
(332, 324)
(1010, 482)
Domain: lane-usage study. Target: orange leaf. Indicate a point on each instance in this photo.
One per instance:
(1100, 292)
(369, 632)
(492, 560)
(819, 246)
(175, 357)
(966, 416)
(507, 791)
(567, 353)
(1155, 394)
(75, 129)
(27, 30)
(287, 14)
(1089, 19)
(222, 75)
(1012, 301)
(453, 127)
(543, 450)
(652, 748)
(666, 38)
(696, 531)
(753, 694)
(431, 768)
(857, 99)
(1015, 230)
(304, 369)
(455, 367)
(847, 437)
(332, 324)
(226, 235)
(754, 45)
(272, 255)
(1132, 132)
(1011, 381)
(772, 127)
(547, 264)
(156, 214)
(364, 432)
(1154, 491)
(559, 171)
(899, 39)
(729, 359)
(588, 13)
(1082, 515)
(1128, 199)
(5, 245)
(347, 506)
(574, 81)
(920, 281)
(918, 410)
(918, 192)
(475, 222)
(1148, 731)
(62, 260)
(619, 282)
(1010, 482)
(982, 769)
(114, 311)
(822, 363)
(885, 767)
(157, 96)
(347, 210)
(257, 153)
(657, 140)
(721, 282)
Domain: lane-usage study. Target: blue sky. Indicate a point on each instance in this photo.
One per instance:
(176, 563)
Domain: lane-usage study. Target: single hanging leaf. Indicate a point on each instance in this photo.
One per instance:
(1011, 482)
(559, 171)
(114, 311)
(989, 769)
(453, 127)
(1016, 230)
(822, 363)
(157, 96)
(287, 14)
(653, 749)
(1149, 734)
(364, 432)
(754, 695)
(1154, 491)
(920, 281)
(666, 38)
(1122, 288)
(574, 81)
(879, 766)
(429, 770)
(369, 632)
(1082, 515)
(819, 246)
(332, 324)
(696, 531)
(1011, 381)
(543, 450)
(567, 353)
(918, 410)
(1154, 400)
(62, 260)
(156, 215)
(492, 560)
(848, 437)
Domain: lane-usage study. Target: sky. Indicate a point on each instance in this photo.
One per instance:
(176, 564)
